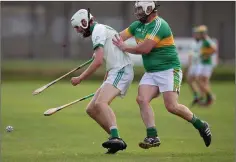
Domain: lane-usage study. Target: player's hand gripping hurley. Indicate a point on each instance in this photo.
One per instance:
(54, 110)
(39, 90)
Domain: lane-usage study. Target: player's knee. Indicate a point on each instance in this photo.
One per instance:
(94, 109)
(198, 79)
(205, 79)
(100, 104)
(141, 100)
(90, 110)
(172, 107)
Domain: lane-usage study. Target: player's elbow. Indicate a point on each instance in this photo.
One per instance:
(99, 63)
(214, 50)
(147, 46)
(146, 51)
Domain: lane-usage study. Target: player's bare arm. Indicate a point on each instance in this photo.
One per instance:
(140, 49)
(98, 60)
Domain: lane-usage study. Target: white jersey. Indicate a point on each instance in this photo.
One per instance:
(115, 58)
(195, 52)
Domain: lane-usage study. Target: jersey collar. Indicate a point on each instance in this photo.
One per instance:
(152, 20)
(92, 26)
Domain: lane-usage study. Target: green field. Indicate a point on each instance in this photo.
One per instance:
(71, 136)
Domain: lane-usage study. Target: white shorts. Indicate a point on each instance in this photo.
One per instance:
(204, 70)
(168, 80)
(193, 69)
(120, 78)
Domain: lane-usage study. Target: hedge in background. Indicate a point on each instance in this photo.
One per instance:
(50, 70)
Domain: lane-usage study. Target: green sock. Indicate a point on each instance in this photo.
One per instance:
(151, 132)
(197, 123)
(114, 133)
(195, 95)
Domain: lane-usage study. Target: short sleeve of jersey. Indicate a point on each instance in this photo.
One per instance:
(155, 31)
(130, 31)
(99, 36)
(208, 47)
(209, 43)
(206, 43)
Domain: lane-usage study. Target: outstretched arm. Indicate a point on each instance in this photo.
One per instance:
(152, 38)
(129, 32)
(125, 35)
(140, 49)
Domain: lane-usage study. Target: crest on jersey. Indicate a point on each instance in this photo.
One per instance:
(97, 39)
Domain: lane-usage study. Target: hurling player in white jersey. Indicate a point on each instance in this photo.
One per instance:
(119, 75)
(193, 65)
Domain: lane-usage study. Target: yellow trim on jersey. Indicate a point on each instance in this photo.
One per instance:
(139, 40)
(155, 38)
(207, 50)
(166, 42)
(127, 33)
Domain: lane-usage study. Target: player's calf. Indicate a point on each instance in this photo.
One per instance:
(185, 113)
(96, 113)
(171, 107)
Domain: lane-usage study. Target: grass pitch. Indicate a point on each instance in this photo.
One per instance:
(71, 136)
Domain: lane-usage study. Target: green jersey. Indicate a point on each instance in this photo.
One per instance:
(164, 55)
(207, 50)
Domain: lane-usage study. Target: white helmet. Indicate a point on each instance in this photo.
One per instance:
(80, 15)
(143, 9)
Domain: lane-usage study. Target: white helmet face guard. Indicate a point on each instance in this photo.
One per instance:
(139, 12)
(80, 22)
(144, 8)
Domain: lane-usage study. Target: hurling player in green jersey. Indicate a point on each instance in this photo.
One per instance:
(163, 71)
(205, 68)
